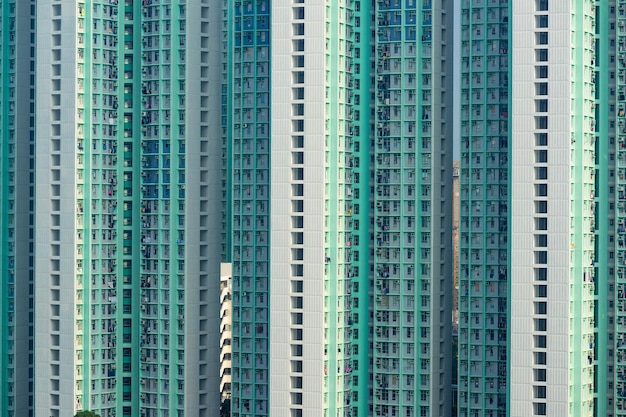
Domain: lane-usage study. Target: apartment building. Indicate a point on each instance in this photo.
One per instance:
(127, 265)
(537, 269)
(413, 263)
(338, 162)
(17, 181)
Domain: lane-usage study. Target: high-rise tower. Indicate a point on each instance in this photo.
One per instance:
(127, 288)
(552, 194)
(536, 267)
(483, 278)
(338, 164)
(412, 183)
(17, 73)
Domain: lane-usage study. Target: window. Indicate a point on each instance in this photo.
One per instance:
(540, 391)
(541, 291)
(296, 366)
(541, 257)
(541, 173)
(540, 374)
(298, 77)
(298, 125)
(541, 105)
(540, 342)
(541, 21)
(297, 174)
(541, 156)
(541, 307)
(297, 157)
(297, 286)
(541, 190)
(541, 224)
(541, 274)
(298, 109)
(297, 141)
(541, 71)
(541, 139)
(541, 38)
(539, 409)
(541, 89)
(298, 61)
(541, 55)
(296, 334)
(541, 325)
(296, 350)
(298, 93)
(541, 206)
(297, 254)
(298, 13)
(296, 398)
(297, 302)
(541, 5)
(296, 382)
(541, 241)
(298, 29)
(298, 45)
(296, 318)
(540, 358)
(297, 238)
(541, 122)
(297, 270)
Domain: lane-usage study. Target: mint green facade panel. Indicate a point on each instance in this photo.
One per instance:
(484, 98)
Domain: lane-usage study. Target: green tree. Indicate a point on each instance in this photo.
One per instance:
(225, 408)
(86, 413)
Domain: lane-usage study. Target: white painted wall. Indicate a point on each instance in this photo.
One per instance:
(522, 177)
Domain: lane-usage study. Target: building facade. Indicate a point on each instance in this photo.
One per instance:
(226, 309)
(552, 240)
(309, 145)
(483, 270)
(413, 209)
(17, 72)
(127, 209)
(339, 160)
(539, 266)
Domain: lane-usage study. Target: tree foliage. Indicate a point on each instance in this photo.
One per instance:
(225, 408)
(86, 413)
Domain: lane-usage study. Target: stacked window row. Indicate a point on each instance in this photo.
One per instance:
(249, 126)
(404, 167)
(161, 116)
(339, 241)
(484, 209)
(97, 205)
(358, 21)
(540, 270)
(17, 134)
(584, 148)
(619, 95)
